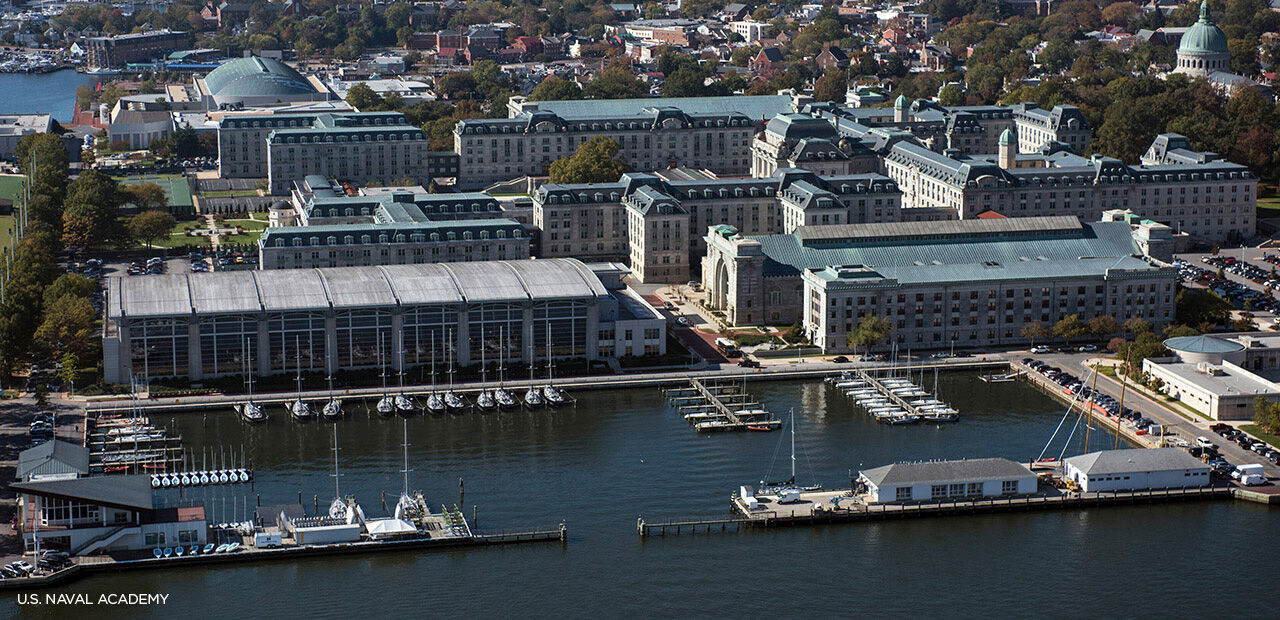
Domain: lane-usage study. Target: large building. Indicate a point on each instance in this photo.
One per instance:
(1202, 51)
(658, 137)
(117, 51)
(13, 127)
(325, 228)
(969, 479)
(335, 319)
(1136, 469)
(1210, 199)
(938, 283)
(1064, 124)
(1220, 376)
(808, 142)
(650, 218)
(257, 81)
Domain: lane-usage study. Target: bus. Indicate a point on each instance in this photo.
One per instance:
(727, 348)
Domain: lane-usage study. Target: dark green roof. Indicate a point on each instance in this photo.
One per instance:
(1204, 36)
(1203, 344)
(257, 77)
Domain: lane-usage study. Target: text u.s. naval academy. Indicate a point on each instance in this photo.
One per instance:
(108, 598)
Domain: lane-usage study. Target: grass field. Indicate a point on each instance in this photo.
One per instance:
(1256, 431)
(10, 186)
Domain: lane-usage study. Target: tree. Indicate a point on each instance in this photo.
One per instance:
(951, 94)
(67, 374)
(596, 161)
(831, 86)
(145, 195)
(457, 85)
(1120, 13)
(67, 326)
(743, 55)
(1137, 326)
(1034, 331)
(72, 284)
(1266, 414)
(1069, 327)
(685, 82)
(90, 217)
(362, 98)
(555, 88)
(1197, 306)
(1103, 326)
(616, 82)
(151, 225)
(871, 331)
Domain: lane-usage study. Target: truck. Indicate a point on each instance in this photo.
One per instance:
(267, 540)
(1250, 474)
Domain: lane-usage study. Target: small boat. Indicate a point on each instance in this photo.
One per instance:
(505, 399)
(155, 482)
(195, 550)
(485, 401)
(759, 428)
(404, 405)
(251, 412)
(386, 407)
(204, 477)
(168, 552)
(179, 551)
(158, 552)
(435, 404)
(454, 402)
(533, 398)
(223, 478)
(233, 547)
(332, 409)
(209, 548)
(553, 396)
(221, 548)
(300, 410)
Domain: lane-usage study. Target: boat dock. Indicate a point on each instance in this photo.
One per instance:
(894, 400)
(1007, 377)
(720, 405)
(842, 506)
(130, 446)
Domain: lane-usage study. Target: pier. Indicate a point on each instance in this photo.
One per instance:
(720, 405)
(840, 506)
(130, 446)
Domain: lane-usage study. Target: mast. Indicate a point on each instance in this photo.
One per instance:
(793, 446)
(502, 354)
(1093, 390)
(549, 381)
(297, 352)
(383, 363)
(336, 493)
(1123, 384)
(433, 362)
(405, 471)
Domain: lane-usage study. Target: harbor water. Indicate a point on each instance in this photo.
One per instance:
(624, 454)
(42, 93)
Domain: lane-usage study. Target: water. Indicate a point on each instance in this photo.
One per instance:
(623, 454)
(42, 93)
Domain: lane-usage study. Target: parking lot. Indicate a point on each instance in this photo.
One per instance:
(1247, 279)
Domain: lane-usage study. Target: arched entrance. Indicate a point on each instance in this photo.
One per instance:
(720, 288)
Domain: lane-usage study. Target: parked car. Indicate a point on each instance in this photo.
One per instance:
(749, 363)
(1040, 349)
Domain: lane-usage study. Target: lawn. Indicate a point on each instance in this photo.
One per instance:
(1269, 206)
(178, 239)
(1256, 431)
(10, 185)
(6, 225)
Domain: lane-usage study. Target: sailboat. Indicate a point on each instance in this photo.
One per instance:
(938, 412)
(504, 398)
(332, 409)
(552, 395)
(788, 490)
(299, 409)
(485, 400)
(403, 404)
(407, 508)
(386, 406)
(451, 399)
(435, 404)
(250, 410)
(533, 396)
(338, 508)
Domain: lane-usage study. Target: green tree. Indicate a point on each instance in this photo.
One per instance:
(67, 374)
(831, 86)
(616, 82)
(1034, 331)
(457, 85)
(1199, 306)
(151, 225)
(743, 55)
(555, 88)
(871, 331)
(72, 284)
(362, 98)
(951, 94)
(145, 195)
(595, 161)
(67, 326)
(1069, 327)
(1266, 414)
(1103, 326)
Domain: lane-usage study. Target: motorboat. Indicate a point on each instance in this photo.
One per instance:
(404, 405)
(158, 552)
(386, 407)
(533, 398)
(209, 548)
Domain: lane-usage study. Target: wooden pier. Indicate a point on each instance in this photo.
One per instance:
(720, 405)
(884, 391)
(131, 446)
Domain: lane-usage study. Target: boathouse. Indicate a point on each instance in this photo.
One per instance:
(1136, 470)
(936, 480)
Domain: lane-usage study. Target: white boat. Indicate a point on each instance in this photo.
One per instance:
(533, 398)
(333, 409)
(300, 410)
(404, 405)
(553, 396)
(485, 401)
(251, 412)
(454, 402)
(435, 404)
(505, 399)
(386, 406)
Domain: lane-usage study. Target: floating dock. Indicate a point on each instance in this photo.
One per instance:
(721, 405)
(894, 400)
(130, 446)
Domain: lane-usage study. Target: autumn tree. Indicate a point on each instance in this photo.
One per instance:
(145, 195)
(596, 161)
(555, 88)
(871, 331)
(1069, 327)
(1034, 331)
(616, 82)
(67, 326)
(151, 225)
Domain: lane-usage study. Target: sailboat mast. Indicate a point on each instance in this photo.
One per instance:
(406, 455)
(336, 492)
(1093, 387)
(1123, 384)
(793, 446)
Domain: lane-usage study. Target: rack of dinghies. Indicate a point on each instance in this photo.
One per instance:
(201, 478)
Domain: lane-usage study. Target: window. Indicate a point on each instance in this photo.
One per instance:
(903, 494)
(938, 491)
(1009, 487)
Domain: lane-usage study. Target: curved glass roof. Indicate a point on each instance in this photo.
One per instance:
(1203, 344)
(256, 77)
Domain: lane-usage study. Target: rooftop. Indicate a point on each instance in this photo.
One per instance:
(124, 492)
(756, 107)
(53, 457)
(1227, 379)
(257, 77)
(1203, 344)
(927, 472)
(1135, 460)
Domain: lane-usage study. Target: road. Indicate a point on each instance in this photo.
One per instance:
(1074, 364)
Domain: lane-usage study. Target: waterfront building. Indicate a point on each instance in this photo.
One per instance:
(649, 218)
(334, 319)
(938, 283)
(1219, 376)
(13, 127)
(1212, 200)
(103, 514)
(1138, 469)
(325, 228)
(117, 51)
(968, 479)
(52, 460)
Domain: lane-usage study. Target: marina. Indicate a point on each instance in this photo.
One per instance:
(894, 400)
